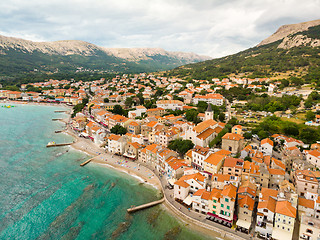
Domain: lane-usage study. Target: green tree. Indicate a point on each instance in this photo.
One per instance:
(129, 102)
(106, 100)
(181, 146)
(247, 135)
(310, 115)
(119, 130)
(117, 109)
(192, 116)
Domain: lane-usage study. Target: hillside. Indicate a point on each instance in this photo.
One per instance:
(19, 56)
(294, 55)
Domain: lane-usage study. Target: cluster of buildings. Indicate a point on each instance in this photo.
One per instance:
(245, 185)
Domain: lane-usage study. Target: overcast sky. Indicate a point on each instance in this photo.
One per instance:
(210, 27)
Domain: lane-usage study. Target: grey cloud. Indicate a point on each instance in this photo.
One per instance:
(210, 27)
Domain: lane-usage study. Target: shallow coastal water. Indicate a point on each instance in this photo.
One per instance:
(44, 194)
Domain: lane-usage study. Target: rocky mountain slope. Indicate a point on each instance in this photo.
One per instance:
(293, 51)
(286, 30)
(22, 56)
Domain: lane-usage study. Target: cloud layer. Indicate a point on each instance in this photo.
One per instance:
(210, 27)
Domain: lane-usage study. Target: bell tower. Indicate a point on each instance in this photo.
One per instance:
(208, 113)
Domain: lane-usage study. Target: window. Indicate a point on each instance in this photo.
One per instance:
(222, 205)
(226, 200)
(228, 207)
(214, 201)
(214, 207)
(309, 231)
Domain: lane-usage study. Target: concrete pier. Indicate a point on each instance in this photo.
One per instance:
(86, 162)
(60, 111)
(147, 205)
(56, 119)
(58, 144)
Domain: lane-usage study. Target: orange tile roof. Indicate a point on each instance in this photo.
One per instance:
(232, 136)
(181, 183)
(216, 193)
(232, 162)
(114, 137)
(152, 124)
(267, 192)
(200, 150)
(246, 200)
(215, 159)
(285, 208)
(269, 203)
(133, 123)
(279, 163)
(207, 133)
(199, 192)
(314, 153)
(267, 140)
(204, 125)
(223, 152)
(276, 171)
(230, 191)
(306, 203)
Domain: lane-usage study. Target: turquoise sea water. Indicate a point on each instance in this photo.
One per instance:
(45, 194)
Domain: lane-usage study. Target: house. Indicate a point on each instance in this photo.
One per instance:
(214, 99)
(232, 142)
(191, 183)
(131, 150)
(148, 154)
(219, 180)
(232, 166)
(134, 127)
(170, 104)
(276, 177)
(200, 201)
(306, 207)
(237, 129)
(227, 203)
(155, 112)
(265, 216)
(266, 146)
(307, 182)
(284, 220)
(137, 112)
(116, 144)
(313, 156)
(174, 167)
(212, 164)
(245, 210)
(199, 154)
(309, 228)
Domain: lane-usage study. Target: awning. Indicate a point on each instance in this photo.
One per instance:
(188, 200)
(281, 234)
(243, 224)
(128, 155)
(84, 134)
(171, 181)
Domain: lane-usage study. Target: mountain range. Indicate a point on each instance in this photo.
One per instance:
(23, 56)
(292, 51)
